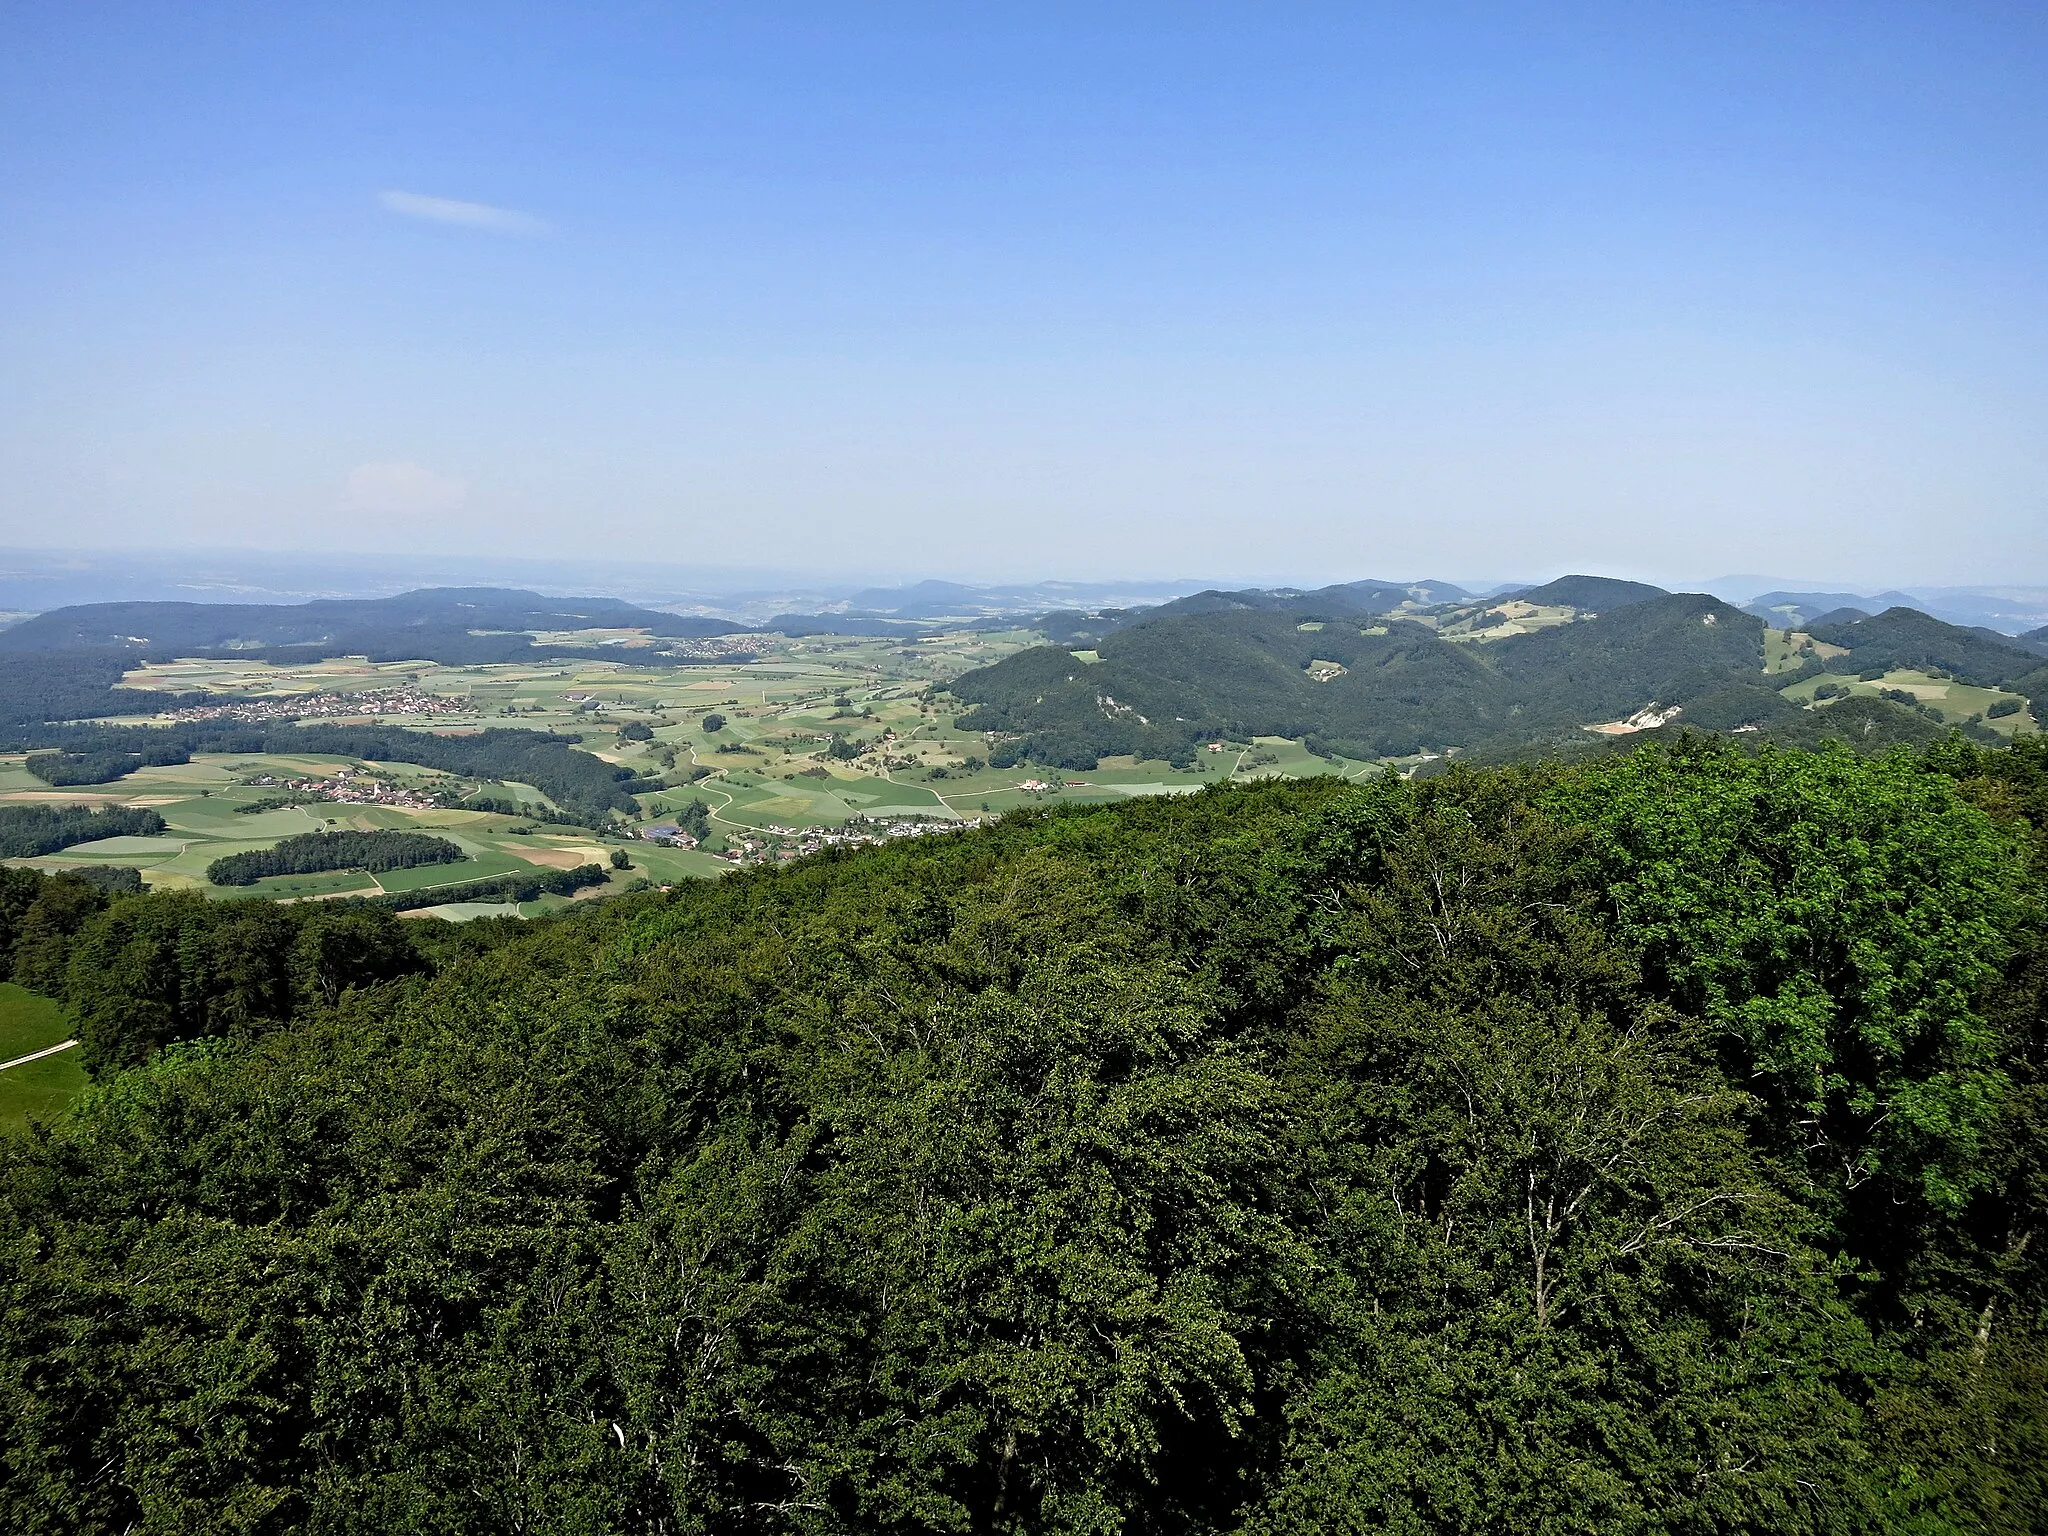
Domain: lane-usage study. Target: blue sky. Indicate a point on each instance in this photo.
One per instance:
(1287, 291)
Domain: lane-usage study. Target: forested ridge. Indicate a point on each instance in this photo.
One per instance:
(73, 685)
(456, 625)
(1214, 666)
(1652, 1144)
(27, 831)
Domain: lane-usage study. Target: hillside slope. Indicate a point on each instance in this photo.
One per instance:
(1906, 637)
(1373, 688)
(1355, 599)
(1658, 649)
(1598, 594)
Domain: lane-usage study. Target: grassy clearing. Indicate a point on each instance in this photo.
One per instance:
(1482, 622)
(466, 911)
(1956, 702)
(337, 882)
(37, 1090)
(28, 1022)
(1785, 650)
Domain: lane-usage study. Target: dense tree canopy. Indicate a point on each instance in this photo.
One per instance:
(68, 768)
(1299, 665)
(313, 852)
(1647, 1145)
(29, 830)
(73, 685)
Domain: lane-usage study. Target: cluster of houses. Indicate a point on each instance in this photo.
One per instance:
(313, 706)
(781, 843)
(348, 786)
(712, 647)
(668, 835)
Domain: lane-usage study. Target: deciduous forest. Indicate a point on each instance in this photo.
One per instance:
(313, 852)
(1649, 1144)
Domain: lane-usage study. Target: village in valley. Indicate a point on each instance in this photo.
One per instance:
(777, 844)
(750, 750)
(371, 704)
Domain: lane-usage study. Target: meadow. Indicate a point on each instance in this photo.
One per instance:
(34, 1089)
(1955, 701)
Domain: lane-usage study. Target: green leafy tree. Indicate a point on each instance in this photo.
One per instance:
(1837, 920)
(336, 950)
(44, 933)
(1302, 1157)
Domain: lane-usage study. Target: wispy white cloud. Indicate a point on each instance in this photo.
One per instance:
(450, 210)
(402, 488)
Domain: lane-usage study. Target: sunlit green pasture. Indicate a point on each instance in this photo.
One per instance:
(34, 1090)
(1956, 701)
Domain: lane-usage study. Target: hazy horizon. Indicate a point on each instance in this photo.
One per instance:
(1268, 295)
(39, 580)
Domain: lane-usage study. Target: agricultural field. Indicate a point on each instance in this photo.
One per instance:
(765, 748)
(816, 741)
(1955, 702)
(200, 803)
(563, 694)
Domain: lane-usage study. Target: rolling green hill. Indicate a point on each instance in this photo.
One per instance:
(1375, 688)
(1164, 686)
(1600, 594)
(1666, 649)
(1432, 680)
(1351, 598)
(1908, 638)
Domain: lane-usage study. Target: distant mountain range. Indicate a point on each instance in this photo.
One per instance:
(2011, 610)
(927, 600)
(1368, 670)
(1362, 669)
(1796, 610)
(455, 625)
(40, 580)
